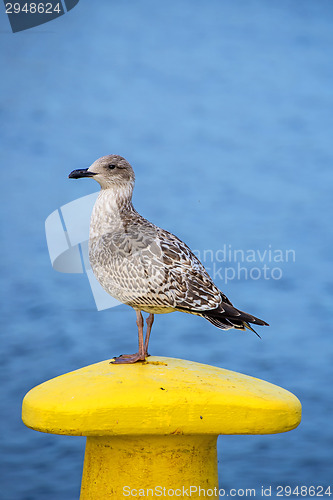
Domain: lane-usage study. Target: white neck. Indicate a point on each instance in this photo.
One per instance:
(110, 206)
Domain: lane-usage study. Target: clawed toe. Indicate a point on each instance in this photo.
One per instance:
(125, 356)
(128, 359)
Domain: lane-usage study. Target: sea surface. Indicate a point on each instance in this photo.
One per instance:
(225, 110)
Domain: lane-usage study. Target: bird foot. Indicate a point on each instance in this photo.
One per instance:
(128, 358)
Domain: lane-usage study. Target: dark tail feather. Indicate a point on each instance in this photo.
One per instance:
(247, 325)
(227, 316)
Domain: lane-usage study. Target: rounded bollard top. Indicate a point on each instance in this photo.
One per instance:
(163, 396)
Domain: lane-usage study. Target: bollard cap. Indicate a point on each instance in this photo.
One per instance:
(163, 396)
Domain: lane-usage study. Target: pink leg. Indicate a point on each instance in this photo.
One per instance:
(150, 321)
(141, 354)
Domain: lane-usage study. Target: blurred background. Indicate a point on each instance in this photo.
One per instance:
(224, 110)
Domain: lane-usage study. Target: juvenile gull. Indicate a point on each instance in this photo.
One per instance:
(145, 266)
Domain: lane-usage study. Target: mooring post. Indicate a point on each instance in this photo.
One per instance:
(154, 425)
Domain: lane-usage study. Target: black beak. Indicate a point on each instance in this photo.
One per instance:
(81, 172)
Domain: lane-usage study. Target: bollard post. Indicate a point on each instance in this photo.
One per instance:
(154, 425)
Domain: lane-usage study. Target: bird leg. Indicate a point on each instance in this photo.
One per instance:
(141, 354)
(149, 321)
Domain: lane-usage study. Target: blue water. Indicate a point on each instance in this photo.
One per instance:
(225, 110)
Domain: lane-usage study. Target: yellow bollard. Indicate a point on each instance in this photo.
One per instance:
(152, 427)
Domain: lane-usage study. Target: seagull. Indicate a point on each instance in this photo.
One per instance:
(147, 267)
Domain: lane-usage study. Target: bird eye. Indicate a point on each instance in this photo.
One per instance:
(111, 167)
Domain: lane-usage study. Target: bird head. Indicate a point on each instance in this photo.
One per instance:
(111, 172)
